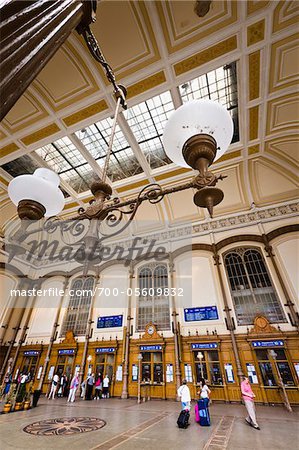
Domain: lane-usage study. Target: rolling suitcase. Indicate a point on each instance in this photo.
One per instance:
(196, 412)
(183, 420)
(204, 415)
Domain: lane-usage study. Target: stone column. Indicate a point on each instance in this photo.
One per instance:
(26, 283)
(176, 337)
(25, 326)
(11, 309)
(87, 335)
(229, 321)
(126, 343)
(53, 333)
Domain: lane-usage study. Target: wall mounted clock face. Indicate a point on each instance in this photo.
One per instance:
(151, 329)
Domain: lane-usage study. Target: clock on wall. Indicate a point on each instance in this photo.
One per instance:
(150, 329)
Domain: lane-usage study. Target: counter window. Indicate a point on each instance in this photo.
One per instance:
(29, 365)
(267, 367)
(284, 368)
(65, 365)
(152, 367)
(105, 364)
(208, 367)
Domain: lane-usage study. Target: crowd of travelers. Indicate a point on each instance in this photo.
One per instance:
(93, 387)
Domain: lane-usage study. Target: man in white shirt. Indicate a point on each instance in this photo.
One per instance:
(184, 395)
(54, 386)
(106, 382)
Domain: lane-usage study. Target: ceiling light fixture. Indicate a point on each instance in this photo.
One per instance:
(196, 134)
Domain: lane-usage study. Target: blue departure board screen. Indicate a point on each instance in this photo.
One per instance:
(202, 313)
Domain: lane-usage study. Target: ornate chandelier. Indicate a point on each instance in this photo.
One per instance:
(197, 134)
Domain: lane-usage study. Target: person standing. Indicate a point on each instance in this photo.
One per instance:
(98, 387)
(60, 390)
(204, 392)
(7, 381)
(54, 386)
(248, 397)
(106, 382)
(89, 386)
(184, 394)
(83, 389)
(73, 388)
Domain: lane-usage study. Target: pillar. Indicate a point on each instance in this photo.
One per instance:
(53, 333)
(176, 337)
(227, 309)
(126, 343)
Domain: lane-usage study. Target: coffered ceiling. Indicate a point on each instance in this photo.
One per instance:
(161, 51)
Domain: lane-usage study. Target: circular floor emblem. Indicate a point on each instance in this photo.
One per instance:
(64, 426)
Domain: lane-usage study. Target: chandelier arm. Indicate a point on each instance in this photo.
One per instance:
(126, 224)
(142, 197)
(109, 149)
(95, 51)
(152, 192)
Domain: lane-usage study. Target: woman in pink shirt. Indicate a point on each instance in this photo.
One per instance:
(248, 397)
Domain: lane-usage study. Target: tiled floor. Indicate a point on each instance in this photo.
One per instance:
(152, 426)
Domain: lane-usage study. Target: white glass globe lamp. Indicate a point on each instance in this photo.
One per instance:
(196, 134)
(37, 195)
(197, 118)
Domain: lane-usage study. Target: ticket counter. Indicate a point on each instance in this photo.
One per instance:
(207, 364)
(272, 363)
(30, 362)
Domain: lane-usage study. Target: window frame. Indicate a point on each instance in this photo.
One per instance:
(77, 306)
(248, 300)
(147, 306)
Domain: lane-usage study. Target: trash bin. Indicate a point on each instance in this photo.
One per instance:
(36, 396)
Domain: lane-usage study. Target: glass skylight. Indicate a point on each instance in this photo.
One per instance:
(66, 160)
(147, 121)
(122, 163)
(20, 166)
(219, 85)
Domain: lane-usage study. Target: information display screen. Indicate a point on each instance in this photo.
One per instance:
(202, 313)
(110, 321)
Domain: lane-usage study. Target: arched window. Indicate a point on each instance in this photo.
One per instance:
(153, 303)
(76, 315)
(251, 287)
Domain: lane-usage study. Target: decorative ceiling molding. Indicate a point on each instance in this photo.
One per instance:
(7, 149)
(285, 148)
(253, 123)
(76, 83)
(40, 134)
(253, 149)
(255, 32)
(84, 113)
(284, 63)
(270, 182)
(254, 75)
(181, 27)
(254, 6)
(133, 50)
(282, 114)
(220, 49)
(146, 84)
(286, 14)
(26, 111)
